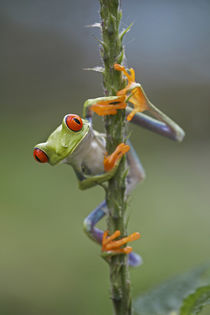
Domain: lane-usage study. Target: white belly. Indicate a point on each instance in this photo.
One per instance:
(88, 158)
(94, 159)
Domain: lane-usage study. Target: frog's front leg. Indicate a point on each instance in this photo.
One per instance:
(111, 163)
(102, 106)
(109, 246)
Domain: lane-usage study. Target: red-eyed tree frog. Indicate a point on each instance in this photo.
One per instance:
(76, 143)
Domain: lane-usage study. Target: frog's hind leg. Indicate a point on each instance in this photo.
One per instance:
(136, 172)
(97, 235)
(92, 219)
(136, 175)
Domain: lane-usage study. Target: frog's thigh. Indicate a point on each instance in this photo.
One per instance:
(92, 219)
(136, 172)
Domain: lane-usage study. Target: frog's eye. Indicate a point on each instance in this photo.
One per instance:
(40, 155)
(74, 122)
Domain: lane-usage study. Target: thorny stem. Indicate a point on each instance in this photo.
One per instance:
(112, 52)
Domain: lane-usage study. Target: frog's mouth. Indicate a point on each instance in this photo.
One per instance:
(58, 148)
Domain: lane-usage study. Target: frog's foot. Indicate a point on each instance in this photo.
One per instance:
(135, 93)
(109, 107)
(130, 77)
(112, 247)
(111, 160)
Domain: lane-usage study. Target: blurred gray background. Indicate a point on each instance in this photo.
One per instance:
(47, 264)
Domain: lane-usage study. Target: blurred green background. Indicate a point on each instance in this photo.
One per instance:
(47, 264)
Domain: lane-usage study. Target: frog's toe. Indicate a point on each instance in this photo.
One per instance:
(111, 160)
(130, 76)
(112, 246)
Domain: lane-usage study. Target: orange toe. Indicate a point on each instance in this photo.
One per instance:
(110, 107)
(107, 239)
(110, 160)
(135, 94)
(124, 240)
(109, 245)
(130, 76)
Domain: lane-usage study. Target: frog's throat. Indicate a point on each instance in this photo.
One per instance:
(81, 148)
(74, 148)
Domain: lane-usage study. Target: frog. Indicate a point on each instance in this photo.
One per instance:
(75, 142)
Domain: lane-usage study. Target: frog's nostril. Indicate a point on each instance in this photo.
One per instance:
(40, 156)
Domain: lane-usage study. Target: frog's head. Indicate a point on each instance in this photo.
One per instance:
(63, 141)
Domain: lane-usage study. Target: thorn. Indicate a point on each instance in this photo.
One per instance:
(96, 25)
(125, 31)
(96, 68)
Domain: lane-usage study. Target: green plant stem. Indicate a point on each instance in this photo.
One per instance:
(112, 52)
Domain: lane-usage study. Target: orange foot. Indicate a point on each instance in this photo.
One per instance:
(136, 94)
(111, 160)
(103, 108)
(109, 245)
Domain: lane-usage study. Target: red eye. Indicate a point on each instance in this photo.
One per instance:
(40, 156)
(74, 122)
